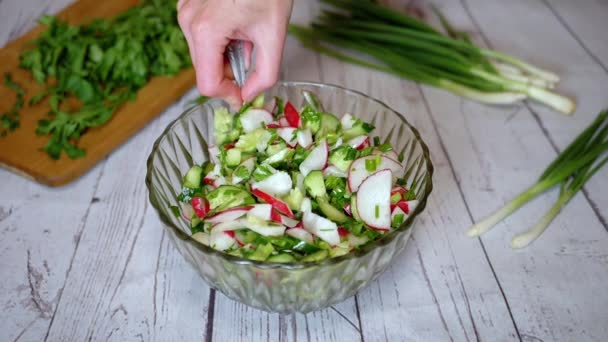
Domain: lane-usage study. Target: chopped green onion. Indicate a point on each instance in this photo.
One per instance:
(370, 165)
(377, 211)
(376, 141)
(397, 220)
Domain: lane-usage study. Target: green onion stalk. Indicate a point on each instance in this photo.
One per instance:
(571, 169)
(407, 47)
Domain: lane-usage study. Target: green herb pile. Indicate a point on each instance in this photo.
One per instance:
(407, 47)
(9, 121)
(101, 65)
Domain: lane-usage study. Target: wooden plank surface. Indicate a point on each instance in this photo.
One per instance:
(21, 151)
(99, 266)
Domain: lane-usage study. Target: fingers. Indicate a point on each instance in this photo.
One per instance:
(269, 50)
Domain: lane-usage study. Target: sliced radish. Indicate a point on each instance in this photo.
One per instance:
(229, 225)
(276, 203)
(201, 237)
(358, 172)
(292, 116)
(253, 119)
(347, 121)
(227, 215)
(214, 177)
(304, 138)
(306, 205)
(289, 222)
(359, 142)
(316, 160)
(300, 182)
(262, 211)
(412, 205)
(276, 217)
(221, 240)
(374, 200)
(186, 210)
(248, 164)
(392, 154)
(287, 134)
(398, 189)
(300, 234)
(325, 229)
(273, 124)
(342, 232)
(347, 209)
(283, 122)
(264, 228)
(334, 171)
(200, 206)
(277, 184)
(398, 211)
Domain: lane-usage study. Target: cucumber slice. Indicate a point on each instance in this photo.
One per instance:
(311, 119)
(257, 139)
(233, 157)
(360, 128)
(258, 102)
(223, 126)
(282, 258)
(342, 157)
(294, 199)
(315, 184)
(317, 256)
(228, 196)
(331, 212)
(262, 252)
(329, 124)
(193, 177)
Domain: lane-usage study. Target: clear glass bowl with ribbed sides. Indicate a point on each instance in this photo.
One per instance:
(273, 287)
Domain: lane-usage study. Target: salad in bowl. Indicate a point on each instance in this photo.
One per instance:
(289, 184)
(294, 202)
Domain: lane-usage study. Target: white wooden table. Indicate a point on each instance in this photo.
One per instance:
(90, 261)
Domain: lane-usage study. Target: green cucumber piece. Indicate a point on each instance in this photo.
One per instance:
(329, 124)
(317, 256)
(233, 157)
(294, 199)
(342, 157)
(223, 126)
(331, 212)
(258, 102)
(360, 128)
(314, 184)
(282, 258)
(193, 177)
(228, 196)
(311, 119)
(262, 252)
(353, 207)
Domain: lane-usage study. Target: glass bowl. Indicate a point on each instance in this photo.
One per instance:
(273, 287)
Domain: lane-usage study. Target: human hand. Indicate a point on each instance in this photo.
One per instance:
(210, 25)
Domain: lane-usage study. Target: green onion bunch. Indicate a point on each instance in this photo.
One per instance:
(407, 47)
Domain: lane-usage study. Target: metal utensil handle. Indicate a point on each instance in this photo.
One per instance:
(236, 56)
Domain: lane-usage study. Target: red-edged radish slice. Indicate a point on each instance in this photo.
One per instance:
(342, 232)
(398, 189)
(265, 228)
(254, 118)
(200, 206)
(273, 124)
(221, 240)
(358, 171)
(334, 171)
(325, 229)
(214, 177)
(276, 216)
(374, 200)
(276, 203)
(261, 211)
(300, 234)
(347, 121)
(316, 160)
(231, 214)
(292, 116)
(287, 134)
(201, 237)
(277, 184)
(283, 122)
(289, 222)
(229, 225)
(304, 138)
(347, 209)
(359, 142)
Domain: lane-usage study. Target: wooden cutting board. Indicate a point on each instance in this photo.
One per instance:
(21, 151)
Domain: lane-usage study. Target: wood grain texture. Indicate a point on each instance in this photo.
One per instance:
(90, 261)
(21, 151)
